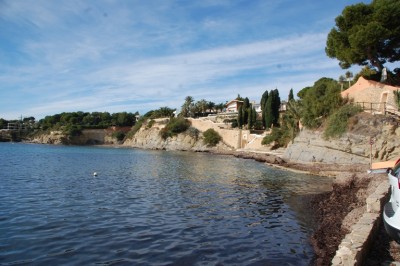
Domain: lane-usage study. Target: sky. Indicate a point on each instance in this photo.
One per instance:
(134, 55)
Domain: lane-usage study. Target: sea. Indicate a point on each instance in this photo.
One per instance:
(82, 205)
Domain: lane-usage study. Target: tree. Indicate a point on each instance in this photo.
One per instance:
(252, 117)
(245, 110)
(210, 106)
(263, 101)
(319, 101)
(366, 34)
(291, 96)
(349, 76)
(220, 107)
(240, 117)
(341, 81)
(272, 109)
(187, 106)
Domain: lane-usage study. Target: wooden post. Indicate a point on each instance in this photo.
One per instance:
(371, 142)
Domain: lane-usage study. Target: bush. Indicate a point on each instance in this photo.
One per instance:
(279, 136)
(211, 137)
(119, 135)
(193, 132)
(174, 127)
(150, 124)
(337, 123)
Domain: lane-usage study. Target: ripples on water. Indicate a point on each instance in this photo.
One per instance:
(149, 208)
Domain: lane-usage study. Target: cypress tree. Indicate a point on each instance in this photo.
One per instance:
(276, 104)
(291, 97)
(246, 106)
(263, 101)
(268, 111)
(240, 117)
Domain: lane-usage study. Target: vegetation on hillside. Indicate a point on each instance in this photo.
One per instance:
(174, 127)
(211, 137)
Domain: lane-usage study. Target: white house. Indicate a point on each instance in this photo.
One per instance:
(233, 106)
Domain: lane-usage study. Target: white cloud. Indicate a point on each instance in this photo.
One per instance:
(101, 56)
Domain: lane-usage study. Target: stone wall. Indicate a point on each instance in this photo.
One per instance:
(355, 246)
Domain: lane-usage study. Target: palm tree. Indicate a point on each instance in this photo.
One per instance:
(349, 76)
(187, 106)
(292, 118)
(341, 81)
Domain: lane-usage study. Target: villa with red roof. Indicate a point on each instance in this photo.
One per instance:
(372, 95)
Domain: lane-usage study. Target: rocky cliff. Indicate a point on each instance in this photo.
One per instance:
(88, 137)
(149, 138)
(352, 147)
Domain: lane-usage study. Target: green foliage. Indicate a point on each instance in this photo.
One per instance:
(271, 109)
(278, 135)
(193, 132)
(174, 127)
(186, 110)
(73, 130)
(291, 120)
(162, 112)
(319, 101)
(397, 98)
(240, 117)
(86, 120)
(368, 73)
(263, 101)
(366, 34)
(150, 124)
(119, 135)
(211, 137)
(337, 122)
(291, 96)
(136, 128)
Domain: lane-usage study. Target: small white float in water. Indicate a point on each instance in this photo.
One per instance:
(94, 173)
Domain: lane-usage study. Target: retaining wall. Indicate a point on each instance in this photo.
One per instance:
(355, 246)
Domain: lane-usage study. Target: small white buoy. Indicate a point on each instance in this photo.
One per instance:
(95, 174)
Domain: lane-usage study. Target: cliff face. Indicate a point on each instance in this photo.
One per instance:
(88, 137)
(352, 147)
(151, 139)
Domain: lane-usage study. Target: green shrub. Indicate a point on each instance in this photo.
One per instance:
(174, 127)
(73, 131)
(211, 137)
(150, 124)
(279, 136)
(119, 135)
(337, 123)
(193, 132)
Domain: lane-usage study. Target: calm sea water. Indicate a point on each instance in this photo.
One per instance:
(149, 208)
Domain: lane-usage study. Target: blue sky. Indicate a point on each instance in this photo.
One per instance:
(134, 55)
